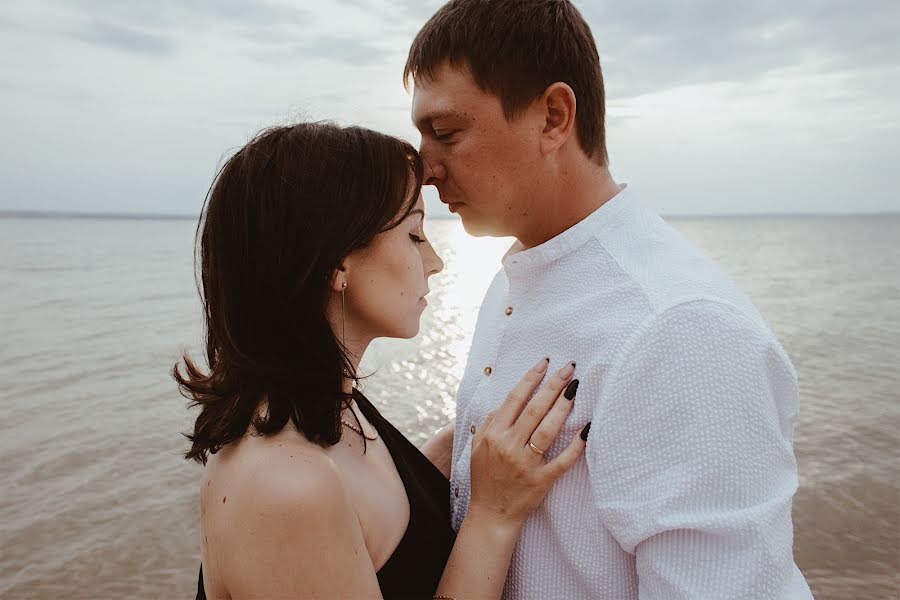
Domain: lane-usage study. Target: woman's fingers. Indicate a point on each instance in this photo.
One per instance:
(487, 421)
(510, 479)
(506, 414)
(566, 459)
(550, 426)
(537, 408)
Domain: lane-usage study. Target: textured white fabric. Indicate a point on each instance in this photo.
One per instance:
(685, 490)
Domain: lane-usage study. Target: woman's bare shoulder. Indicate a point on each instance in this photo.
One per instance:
(285, 472)
(290, 525)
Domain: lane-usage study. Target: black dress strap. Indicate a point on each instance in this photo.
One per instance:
(415, 568)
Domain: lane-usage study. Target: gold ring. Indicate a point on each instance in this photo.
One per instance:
(535, 449)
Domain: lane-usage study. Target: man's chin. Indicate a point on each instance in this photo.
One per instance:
(476, 228)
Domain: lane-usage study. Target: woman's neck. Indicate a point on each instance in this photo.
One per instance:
(355, 350)
(352, 335)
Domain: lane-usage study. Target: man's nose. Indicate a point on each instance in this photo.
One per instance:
(435, 171)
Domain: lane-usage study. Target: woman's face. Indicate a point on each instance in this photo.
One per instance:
(388, 280)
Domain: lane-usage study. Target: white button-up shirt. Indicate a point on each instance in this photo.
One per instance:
(686, 486)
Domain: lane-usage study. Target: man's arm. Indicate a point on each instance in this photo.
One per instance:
(691, 461)
(439, 449)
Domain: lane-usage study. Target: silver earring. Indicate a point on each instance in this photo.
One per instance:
(343, 319)
(344, 324)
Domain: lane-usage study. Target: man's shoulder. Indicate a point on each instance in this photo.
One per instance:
(709, 311)
(701, 331)
(667, 267)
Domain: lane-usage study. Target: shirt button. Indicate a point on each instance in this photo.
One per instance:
(472, 429)
(508, 310)
(488, 371)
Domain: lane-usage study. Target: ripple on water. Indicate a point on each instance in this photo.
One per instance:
(98, 498)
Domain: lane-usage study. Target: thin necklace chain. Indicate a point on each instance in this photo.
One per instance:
(371, 438)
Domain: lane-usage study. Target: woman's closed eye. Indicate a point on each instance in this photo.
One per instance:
(417, 239)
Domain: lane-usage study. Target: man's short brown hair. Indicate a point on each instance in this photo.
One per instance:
(515, 49)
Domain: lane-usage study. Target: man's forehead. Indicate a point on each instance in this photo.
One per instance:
(444, 74)
(442, 89)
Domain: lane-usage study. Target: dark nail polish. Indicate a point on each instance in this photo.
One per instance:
(573, 364)
(584, 432)
(571, 389)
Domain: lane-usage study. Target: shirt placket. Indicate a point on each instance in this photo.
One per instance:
(485, 397)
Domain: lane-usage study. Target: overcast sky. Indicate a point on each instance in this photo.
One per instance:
(763, 106)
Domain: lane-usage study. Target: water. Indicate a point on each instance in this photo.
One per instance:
(98, 503)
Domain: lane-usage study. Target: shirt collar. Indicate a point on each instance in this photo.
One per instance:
(518, 262)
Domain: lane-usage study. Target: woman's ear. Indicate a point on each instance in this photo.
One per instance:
(558, 104)
(339, 278)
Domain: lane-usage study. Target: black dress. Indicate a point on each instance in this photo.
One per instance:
(414, 569)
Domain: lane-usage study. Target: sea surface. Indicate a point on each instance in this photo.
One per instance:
(97, 501)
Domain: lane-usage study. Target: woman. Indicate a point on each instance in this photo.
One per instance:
(311, 246)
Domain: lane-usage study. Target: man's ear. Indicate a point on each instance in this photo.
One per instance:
(558, 105)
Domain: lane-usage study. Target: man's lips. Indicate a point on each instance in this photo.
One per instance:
(452, 205)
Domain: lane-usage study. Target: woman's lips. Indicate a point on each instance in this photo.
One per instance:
(454, 206)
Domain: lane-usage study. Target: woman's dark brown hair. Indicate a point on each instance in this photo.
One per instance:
(281, 215)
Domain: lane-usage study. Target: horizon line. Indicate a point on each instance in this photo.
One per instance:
(113, 216)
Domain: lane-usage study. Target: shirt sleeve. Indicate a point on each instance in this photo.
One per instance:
(691, 460)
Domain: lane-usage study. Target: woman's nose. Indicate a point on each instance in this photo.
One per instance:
(436, 264)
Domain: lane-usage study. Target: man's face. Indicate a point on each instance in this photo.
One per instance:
(481, 164)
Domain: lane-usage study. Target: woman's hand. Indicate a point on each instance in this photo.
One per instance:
(510, 475)
(510, 478)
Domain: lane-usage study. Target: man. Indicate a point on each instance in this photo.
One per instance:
(686, 488)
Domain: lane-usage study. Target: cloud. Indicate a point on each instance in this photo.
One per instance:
(344, 49)
(418, 10)
(652, 46)
(49, 92)
(699, 82)
(647, 45)
(192, 14)
(152, 27)
(120, 37)
(276, 32)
